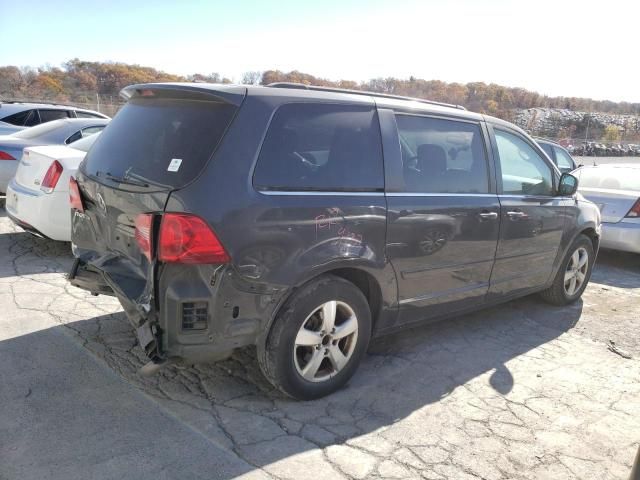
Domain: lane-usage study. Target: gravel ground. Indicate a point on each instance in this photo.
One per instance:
(520, 391)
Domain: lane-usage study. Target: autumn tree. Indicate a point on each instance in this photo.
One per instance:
(611, 133)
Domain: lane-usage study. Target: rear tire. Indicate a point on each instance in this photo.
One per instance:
(317, 339)
(573, 275)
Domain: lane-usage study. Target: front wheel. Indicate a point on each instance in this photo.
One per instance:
(317, 339)
(573, 275)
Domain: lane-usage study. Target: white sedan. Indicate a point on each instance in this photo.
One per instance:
(615, 188)
(38, 196)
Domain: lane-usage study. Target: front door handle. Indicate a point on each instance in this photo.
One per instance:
(488, 215)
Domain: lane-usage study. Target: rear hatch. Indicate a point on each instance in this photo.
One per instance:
(158, 142)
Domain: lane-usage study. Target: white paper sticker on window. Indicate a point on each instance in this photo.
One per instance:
(174, 166)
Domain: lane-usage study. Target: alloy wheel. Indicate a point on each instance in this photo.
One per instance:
(325, 341)
(576, 272)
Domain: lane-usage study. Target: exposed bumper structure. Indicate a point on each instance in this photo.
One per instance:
(165, 326)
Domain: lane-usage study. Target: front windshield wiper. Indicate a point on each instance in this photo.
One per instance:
(124, 179)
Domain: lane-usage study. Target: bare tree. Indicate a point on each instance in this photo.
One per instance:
(251, 78)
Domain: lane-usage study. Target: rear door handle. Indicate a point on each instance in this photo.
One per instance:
(488, 215)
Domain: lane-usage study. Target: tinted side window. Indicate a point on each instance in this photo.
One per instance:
(547, 149)
(48, 115)
(321, 147)
(33, 119)
(563, 159)
(442, 156)
(17, 118)
(524, 171)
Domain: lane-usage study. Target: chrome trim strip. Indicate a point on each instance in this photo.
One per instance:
(431, 296)
(419, 271)
(323, 193)
(418, 194)
(373, 194)
(540, 197)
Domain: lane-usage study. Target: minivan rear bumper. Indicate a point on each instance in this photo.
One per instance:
(89, 277)
(235, 313)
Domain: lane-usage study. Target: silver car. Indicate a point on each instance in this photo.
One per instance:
(16, 116)
(57, 132)
(615, 188)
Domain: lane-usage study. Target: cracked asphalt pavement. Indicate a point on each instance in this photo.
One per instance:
(520, 391)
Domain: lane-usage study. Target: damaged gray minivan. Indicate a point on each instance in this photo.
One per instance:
(306, 220)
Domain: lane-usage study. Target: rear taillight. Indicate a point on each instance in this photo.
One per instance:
(5, 156)
(51, 177)
(144, 224)
(188, 239)
(74, 195)
(635, 210)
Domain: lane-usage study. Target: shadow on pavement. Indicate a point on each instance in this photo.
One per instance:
(231, 402)
(617, 269)
(64, 416)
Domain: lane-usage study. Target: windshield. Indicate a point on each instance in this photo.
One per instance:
(610, 178)
(38, 130)
(164, 141)
(85, 143)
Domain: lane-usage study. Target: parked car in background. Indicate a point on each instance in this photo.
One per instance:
(16, 116)
(56, 132)
(616, 191)
(38, 195)
(558, 154)
(226, 216)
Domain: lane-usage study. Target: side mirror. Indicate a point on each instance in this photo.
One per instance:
(568, 185)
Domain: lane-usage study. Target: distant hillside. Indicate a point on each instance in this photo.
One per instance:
(88, 83)
(563, 123)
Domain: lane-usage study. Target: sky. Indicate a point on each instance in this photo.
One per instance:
(555, 47)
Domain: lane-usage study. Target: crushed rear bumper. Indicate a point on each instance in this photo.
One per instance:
(237, 313)
(142, 317)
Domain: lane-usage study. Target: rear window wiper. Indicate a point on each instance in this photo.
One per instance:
(124, 179)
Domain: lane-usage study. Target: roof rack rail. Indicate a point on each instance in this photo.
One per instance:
(42, 102)
(302, 86)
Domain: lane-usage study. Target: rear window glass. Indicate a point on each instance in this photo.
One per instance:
(163, 141)
(321, 147)
(85, 143)
(613, 178)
